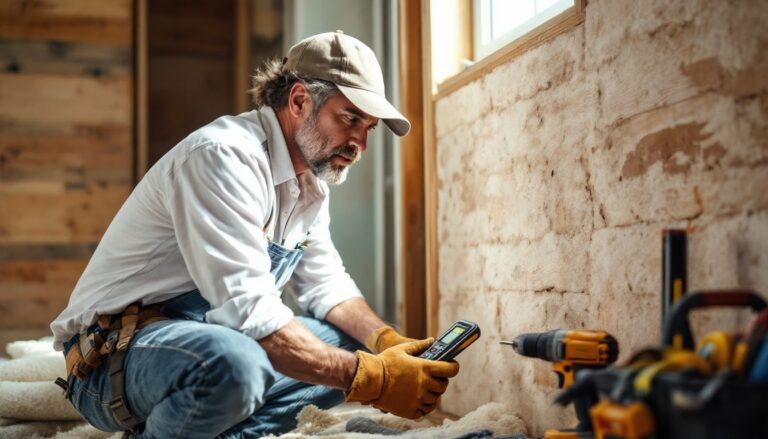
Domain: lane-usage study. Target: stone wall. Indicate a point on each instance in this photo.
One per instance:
(558, 170)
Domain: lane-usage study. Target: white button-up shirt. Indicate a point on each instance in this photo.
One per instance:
(197, 221)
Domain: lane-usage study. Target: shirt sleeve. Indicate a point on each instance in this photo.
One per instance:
(320, 280)
(219, 197)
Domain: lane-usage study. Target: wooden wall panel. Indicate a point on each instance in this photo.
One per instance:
(191, 68)
(31, 291)
(66, 145)
(61, 100)
(84, 21)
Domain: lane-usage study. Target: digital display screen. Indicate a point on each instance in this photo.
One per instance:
(451, 336)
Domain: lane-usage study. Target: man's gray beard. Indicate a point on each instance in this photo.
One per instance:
(312, 144)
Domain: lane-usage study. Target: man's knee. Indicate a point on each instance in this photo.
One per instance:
(240, 373)
(227, 372)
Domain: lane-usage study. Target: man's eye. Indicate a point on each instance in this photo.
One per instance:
(350, 119)
(371, 128)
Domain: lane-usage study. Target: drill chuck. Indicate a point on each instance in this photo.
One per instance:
(542, 345)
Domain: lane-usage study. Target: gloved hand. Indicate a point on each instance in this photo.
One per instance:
(383, 338)
(397, 382)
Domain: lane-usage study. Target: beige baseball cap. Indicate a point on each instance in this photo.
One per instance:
(352, 66)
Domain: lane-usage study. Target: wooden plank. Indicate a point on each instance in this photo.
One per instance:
(94, 21)
(59, 181)
(412, 244)
(24, 310)
(29, 272)
(97, 147)
(76, 217)
(430, 175)
(64, 58)
(112, 9)
(33, 292)
(66, 100)
(47, 253)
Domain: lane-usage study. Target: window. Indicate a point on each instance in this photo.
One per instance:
(469, 38)
(498, 22)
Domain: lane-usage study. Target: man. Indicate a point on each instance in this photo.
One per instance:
(176, 327)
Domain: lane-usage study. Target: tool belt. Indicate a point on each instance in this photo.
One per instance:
(110, 340)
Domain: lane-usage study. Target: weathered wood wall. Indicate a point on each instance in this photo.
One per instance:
(191, 68)
(66, 121)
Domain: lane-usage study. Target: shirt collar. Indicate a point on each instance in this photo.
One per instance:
(280, 159)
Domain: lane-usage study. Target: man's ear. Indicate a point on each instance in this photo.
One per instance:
(299, 100)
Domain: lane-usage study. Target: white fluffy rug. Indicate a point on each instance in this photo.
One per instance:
(32, 407)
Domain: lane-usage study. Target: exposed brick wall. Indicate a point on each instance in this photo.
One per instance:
(558, 170)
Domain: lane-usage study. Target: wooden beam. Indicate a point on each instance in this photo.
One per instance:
(411, 160)
(242, 54)
(85, 21)
(430, 174)
(141, 99)
(68, 101)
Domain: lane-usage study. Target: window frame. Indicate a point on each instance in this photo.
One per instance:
(481, 50)
(560, 23)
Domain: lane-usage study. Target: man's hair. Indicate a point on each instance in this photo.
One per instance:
(272, 85)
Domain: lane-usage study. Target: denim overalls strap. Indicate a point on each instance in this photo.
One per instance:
(283, 261)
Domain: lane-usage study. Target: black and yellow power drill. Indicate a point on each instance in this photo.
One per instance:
(570, 351)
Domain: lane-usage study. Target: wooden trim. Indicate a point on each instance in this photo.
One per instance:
(430, 174)
(411, 163)
(558, 24)
(141, 102)
(242, 54)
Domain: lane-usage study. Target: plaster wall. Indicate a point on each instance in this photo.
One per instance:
(558, 170)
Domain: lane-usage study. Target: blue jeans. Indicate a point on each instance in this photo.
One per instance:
(191, 379)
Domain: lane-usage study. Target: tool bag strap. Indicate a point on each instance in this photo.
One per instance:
(119, 330)
(129, 321)
(119, 403)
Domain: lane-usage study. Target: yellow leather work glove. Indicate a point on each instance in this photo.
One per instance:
(383, 338)
(397, 382)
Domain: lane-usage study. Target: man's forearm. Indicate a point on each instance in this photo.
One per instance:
(296, 352)
(355, 318)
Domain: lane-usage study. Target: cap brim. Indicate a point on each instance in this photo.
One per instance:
(377, 106)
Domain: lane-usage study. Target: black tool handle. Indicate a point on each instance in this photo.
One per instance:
(677, 321)
(674, 272)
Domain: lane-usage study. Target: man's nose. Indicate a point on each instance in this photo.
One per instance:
(360, 140)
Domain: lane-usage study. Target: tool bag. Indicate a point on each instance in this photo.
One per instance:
(110, 341)
(720, 406)
(681, 402)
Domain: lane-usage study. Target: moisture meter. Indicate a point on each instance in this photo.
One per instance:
(460, 335)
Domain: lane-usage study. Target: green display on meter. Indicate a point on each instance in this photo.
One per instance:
(451, 336)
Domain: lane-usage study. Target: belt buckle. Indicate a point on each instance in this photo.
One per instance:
(111, 341)
(89, 349)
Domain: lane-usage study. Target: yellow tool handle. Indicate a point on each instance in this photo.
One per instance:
(557, 434)
(673, 360)
(564, 371)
